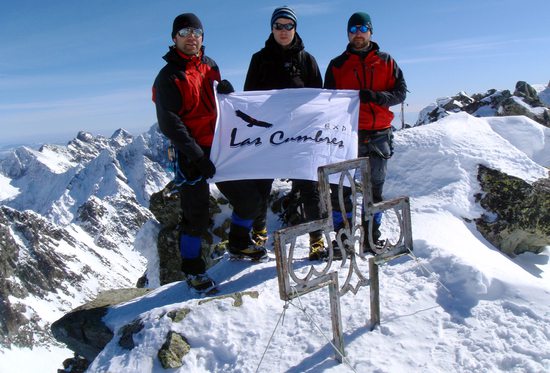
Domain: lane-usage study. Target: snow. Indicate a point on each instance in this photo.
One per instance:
(146, 244)
(458, 305)
(57, 163)
(39, 359)
(7, 191)
(534, 110)
(543, 92)
(485, 111)
(526, 135)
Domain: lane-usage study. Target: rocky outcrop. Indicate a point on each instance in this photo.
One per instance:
(76, 364)
(528, 93)
(524, 101)
(83, 329)
(85, 333)
(173, 350)
(165, 206)
(518, 214)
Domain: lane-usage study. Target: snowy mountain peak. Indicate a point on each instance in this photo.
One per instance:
(85, 136)
(121, 138)
(68, 219)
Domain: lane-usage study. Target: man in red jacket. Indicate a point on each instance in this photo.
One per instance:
(381, 84)
(186, 112)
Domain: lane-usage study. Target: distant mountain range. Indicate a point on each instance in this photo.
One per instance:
(531, 101)
(68, 219)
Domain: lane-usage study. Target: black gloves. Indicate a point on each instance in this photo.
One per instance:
(206, 167)
(224, 87)
(367, 95)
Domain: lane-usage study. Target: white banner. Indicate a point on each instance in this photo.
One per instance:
(285, 134)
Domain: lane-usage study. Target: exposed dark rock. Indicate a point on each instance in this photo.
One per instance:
(528, 93)
(169, 256)
(518, 218)
(83, 329)
(90, 214)
(127, 334)
(490, 101)
(457, 103)
(237, 297)
(142, 282)
(165, 206)
(179, 315)
(524, 101)
(511, 107)
(76, 364)
(173, 350)
(43, 271)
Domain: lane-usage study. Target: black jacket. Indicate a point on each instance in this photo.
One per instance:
(276, 68)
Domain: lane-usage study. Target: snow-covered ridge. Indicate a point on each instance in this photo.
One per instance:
(526, 100)
(56, 180)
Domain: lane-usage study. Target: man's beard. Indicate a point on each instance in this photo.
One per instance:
(359, 43)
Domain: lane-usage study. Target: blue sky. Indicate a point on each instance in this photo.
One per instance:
(67, 66)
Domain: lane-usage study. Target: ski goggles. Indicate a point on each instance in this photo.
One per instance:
(362, 29)
(281, 26)
(185, 32)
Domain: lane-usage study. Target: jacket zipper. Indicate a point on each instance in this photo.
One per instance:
(207, 99)
(364, 85)
(371, 108)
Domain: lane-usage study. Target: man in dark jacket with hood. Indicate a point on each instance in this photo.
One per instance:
(282, 63)
(186, 112)
(381, 84)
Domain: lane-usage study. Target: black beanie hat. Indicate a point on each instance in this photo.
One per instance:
(283, 12)
(186, 20)
(360, 18)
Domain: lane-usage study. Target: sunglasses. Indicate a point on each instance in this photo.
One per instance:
(286, 26)
(354, 29)
(185, 32)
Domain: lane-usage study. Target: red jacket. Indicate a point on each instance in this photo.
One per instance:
(374, 70)
(184, 98)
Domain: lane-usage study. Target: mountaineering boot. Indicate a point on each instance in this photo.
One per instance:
(201, 283)
(378, 245)
(251, 251)
(337, 253)
(317, 250)
(259, 237)
(372, 228)
(240, 244)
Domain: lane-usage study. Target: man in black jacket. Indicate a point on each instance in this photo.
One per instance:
(282, 63)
